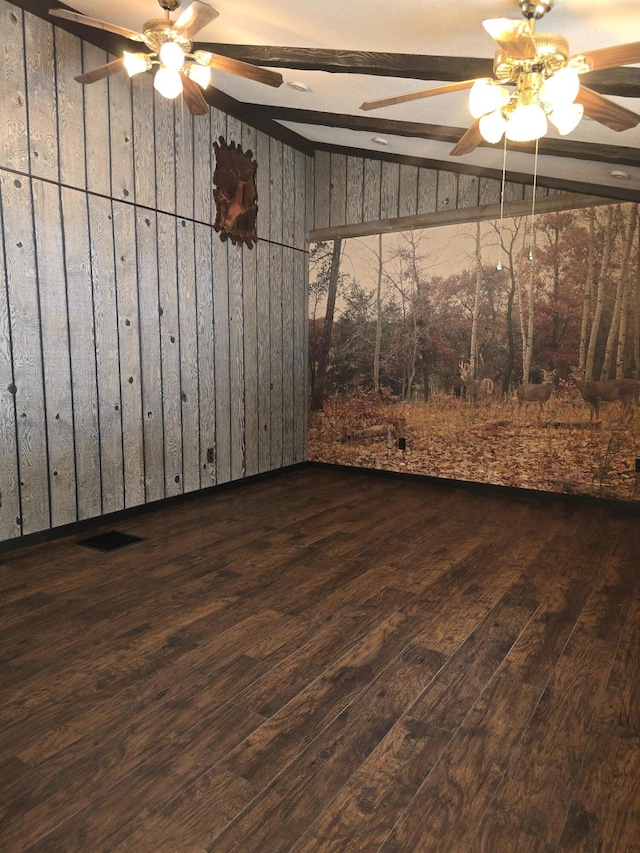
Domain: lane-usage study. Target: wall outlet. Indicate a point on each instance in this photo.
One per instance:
(211, 456)
(637, 465)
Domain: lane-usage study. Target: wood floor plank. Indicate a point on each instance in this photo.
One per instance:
(464, 677)
(364, 811)
(536, 791)
(301, 791)
(447, 810)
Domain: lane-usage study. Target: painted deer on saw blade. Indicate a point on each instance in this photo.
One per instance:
(538, 392)
(474, 389)
(626, 391)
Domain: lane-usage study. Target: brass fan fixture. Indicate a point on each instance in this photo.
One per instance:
(169, 46)
(546, 81)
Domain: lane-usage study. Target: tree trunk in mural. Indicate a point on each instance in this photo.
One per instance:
(476, 308)
(327, 329)
(614, 328)
(597, 316)
(627, 280)
(588, 291)
(376, 354)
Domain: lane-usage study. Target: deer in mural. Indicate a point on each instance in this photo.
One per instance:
(538, 392)
(626, 391)
(474, 389)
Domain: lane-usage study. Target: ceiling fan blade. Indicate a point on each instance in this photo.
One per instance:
(194, 18)
(192, 94)
(613, 57)
(68, 15)
(469, 141)
(606, 112)
(235, 66)
(416, 96)
(513, 36)
(101, 72)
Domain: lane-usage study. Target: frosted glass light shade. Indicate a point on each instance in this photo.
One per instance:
(526, 122)
(201, 74)
(486, 97)
(562, 88)
(136, 63)
(168, 83)
(172, 56)
(567, 118)
(492, 126)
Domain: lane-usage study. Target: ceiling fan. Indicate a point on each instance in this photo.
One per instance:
(169, 45)
(546, 81)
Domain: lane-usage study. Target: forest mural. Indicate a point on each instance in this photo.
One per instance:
(503, 352)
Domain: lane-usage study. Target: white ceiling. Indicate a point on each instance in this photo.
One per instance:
(431, 27)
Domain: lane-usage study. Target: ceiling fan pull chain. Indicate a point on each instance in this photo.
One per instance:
(504, 172)
(532, 228)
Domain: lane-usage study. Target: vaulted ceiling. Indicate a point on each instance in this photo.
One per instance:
(345, 52)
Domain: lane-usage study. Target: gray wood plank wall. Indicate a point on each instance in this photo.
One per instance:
(380, 190)
(140, 356)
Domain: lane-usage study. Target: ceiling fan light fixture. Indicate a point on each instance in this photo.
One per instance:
(171, 56)
(486, 96)
(566, 118)
(200, 74)
(167, 83)
(561, 88)
(492, 126)
(136, 63)
(526, 123)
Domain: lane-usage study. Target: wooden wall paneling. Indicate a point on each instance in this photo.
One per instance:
(447, 191)
(170, 349)
(322, 189)
(9, 472)
(427, 190)
(121, 133)
(250, 323)
(513, 191)
(68, 52)
(144, 153)
(288, 356)
(107, 353)
(408, 199)
(41, 98)
(489, 191)
(188, 320)
(276, 309)
(263, 303)
(300, 353)
(468, 190)
(150, 354)
(54, 330)
(389, 190)
(203, 203)
(338, 211)
(96, 123)
(288, 239)
(235, 257)
(220, 262)
(204, 235)
(355, 188)
(300, 307)
(82, 347)
(310, 195)
(22, 290)
(371, 191)
(14, 142)
(124, 229)
(163, 119)
(183, 131)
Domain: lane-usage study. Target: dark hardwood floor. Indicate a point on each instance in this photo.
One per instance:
(327, 662)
